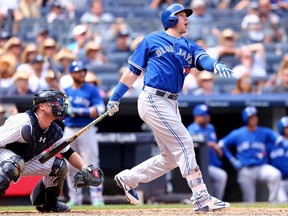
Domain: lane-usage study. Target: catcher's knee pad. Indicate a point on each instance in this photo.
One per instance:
(59, 168)
(13, 167)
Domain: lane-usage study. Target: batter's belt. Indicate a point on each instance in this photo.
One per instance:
(161, 93)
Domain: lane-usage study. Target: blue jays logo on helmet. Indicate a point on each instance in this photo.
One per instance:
(282, 123)
(201, 110)
(76, 66)
(169, 17)
(247, 112)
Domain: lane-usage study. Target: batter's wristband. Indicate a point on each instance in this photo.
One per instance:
(119, 91)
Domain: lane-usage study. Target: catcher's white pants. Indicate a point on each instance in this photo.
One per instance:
(174, 141)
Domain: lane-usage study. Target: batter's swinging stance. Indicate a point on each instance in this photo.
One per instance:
(166, 58)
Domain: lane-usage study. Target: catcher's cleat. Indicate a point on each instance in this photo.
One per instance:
(58, 207)
(213, 204)
(130, 193)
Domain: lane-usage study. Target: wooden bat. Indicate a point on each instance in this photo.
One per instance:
(51, 153)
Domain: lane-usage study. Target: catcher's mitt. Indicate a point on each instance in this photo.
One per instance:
(88, 176)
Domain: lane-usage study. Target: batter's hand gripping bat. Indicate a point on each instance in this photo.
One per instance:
(51, 153)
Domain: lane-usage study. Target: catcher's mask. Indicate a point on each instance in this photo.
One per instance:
(55, 98)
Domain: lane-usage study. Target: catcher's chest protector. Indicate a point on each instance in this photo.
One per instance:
(40, 140)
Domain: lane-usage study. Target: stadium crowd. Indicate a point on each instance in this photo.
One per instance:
(38, 36)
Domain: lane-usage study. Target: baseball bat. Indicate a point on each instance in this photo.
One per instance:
(51, 153)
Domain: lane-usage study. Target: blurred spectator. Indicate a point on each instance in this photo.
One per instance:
(93, 54)
(94, 80)
(206, 84)
(20, 85)
(122, 43)
(41, 36)
(37, 80)
(96, 14)
(64, 57)
(28, 54)
(27, 9)
(275, 33)
(265, 12)
(7, 69)
(119, 24)
(282, 86)
(52, 81)
(14, 46)
(251, 25)
(252, 61)
(227, 50)
(7, 110)
(81, 35)
(244, 85)
(49, 48)
(57, 12)
(200, 23)
(276, 78)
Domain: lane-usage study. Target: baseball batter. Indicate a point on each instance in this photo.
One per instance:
(166, 58)
(250, 160)
(24, 137)
(86, 104)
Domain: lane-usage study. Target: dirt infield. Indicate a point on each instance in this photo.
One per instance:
(161, 212)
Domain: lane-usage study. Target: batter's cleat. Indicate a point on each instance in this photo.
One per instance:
(213, 204)
(59, 207)
(130, 193)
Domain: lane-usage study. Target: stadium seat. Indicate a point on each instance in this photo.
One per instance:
(118, 58)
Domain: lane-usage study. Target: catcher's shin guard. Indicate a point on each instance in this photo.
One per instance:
(37, 196)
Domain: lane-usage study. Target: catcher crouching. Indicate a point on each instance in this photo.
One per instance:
(25, 136)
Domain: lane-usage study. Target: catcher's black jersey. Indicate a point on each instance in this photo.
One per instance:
(39, 141)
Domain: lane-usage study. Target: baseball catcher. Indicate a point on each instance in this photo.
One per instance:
(23, 139)
(88, 176)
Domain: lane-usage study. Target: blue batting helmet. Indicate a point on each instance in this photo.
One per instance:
(282, 123)
(247, 112)
(201, 110)
(168, 16)
(76, 66)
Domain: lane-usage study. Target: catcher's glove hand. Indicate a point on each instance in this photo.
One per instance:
(88, 176)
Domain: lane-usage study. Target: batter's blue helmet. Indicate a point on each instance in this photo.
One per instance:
(282, 123)
(76, 66)
(247, 112)
(201, 110)
(168, 16)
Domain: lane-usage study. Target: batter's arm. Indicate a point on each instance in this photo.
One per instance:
(128, 78)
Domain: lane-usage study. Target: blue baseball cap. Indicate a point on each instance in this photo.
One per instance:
(201, 110)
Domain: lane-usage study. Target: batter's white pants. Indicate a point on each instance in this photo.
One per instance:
(174, 141)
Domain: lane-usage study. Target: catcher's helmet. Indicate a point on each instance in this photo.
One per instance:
(282, 123)
(201, 110)
(168, 16)
(76, 66)
(52, 95)
(247, 112)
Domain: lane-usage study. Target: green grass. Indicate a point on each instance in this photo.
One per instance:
(113, 206)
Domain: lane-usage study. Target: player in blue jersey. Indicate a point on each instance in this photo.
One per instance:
(86, 104)
(166, 58)
(201, 125)
(278, 156)
(250, 160)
